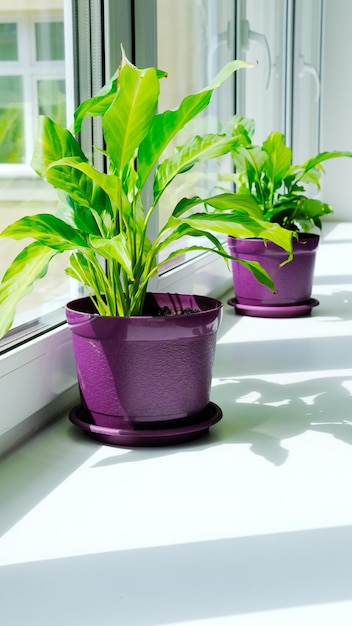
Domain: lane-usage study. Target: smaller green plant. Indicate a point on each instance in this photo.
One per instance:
(267, 174)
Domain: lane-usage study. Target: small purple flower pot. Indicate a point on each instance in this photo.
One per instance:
(145, 369)
(293, 281)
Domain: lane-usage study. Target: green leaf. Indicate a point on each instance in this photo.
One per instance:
(92, 276)
(182, 230)
(184, 158)
(186, 204)
(98, 105)
(115, 248)
(185, 229)
(179, 251)
(297, 175)
(91, 177)
(258, 271)
(241, 125)
(246, 227)
(56, 157)
(311, 207)
(52, 143)
(78, 216)
(227, 71)
(47, 229)
(226, 201)
(299, 212)
(324, 156)
(249, 163)
(237, 203)
(166, 125)
(252, 156)
(239, 216)
(280, 157)
(30, 265)
(129, 118)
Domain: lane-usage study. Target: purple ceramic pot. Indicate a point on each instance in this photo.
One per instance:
(293, 281)
(147, 368)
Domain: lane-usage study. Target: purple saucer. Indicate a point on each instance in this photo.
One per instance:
(282, 310)
(196, 426)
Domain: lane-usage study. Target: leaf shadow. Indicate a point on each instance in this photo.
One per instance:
(264, 414)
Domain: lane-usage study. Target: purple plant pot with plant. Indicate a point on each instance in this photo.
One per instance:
(293, 281)
(149, 368)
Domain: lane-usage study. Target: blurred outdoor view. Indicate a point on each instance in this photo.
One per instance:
(206, 29)
(32, 82)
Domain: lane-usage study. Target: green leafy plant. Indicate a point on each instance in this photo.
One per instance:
(266, 173)
(107, 215)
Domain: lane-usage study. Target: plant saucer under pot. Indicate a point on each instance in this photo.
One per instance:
(293, 281)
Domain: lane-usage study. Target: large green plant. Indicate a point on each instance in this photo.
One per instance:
(266, 173)
(103, 215)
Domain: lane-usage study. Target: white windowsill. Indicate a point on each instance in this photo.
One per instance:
(37, 382)
(251, 525)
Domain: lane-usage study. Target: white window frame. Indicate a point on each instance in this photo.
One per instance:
(31, 72)
(37, 377)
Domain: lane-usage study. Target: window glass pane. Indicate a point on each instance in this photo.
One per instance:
(52, 100)
(12, 149)
(49, 40)
(262, 37)
(207, 27)
(307, 106)
(8, 42)
(35, 83)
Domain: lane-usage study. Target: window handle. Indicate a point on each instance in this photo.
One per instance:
(248, 35)
(309, 68)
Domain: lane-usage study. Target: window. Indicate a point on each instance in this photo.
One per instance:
(34, 71)
(262, 36)
(36, 76)
(32, 79)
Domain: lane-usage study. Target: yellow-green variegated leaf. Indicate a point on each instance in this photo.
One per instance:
(324, 156)
(245, 227)
(53, 142)
(279, 163)
(65, 179)
(129, 118)
(30, 265)
(97, 105)
(253, 266)
(47, 229)
(56, 159)
(233, 203)
(168, 123)
(184, 158)
(116, 249)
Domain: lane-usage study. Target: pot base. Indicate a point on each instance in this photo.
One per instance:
(282, 310)
(173, 432)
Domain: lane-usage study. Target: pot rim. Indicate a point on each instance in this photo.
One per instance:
(84, 305)
(301, 236)
(311, 240)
